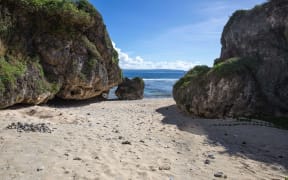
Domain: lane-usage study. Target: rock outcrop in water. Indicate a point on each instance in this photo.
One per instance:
(53, 47)
(250, 78)
(130, 89)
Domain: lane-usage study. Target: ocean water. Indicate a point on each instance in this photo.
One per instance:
(158, 83)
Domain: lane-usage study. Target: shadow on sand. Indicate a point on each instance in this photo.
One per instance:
(61, 103)
(264, 144)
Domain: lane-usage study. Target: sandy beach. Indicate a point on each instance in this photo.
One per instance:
(143, 139)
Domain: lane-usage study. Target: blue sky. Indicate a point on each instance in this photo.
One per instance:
(167, 34)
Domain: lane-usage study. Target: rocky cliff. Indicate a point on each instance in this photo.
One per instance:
(250, 78)
(54, 48)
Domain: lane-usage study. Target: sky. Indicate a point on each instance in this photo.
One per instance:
(167, 34)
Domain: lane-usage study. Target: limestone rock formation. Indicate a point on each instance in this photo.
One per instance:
(250, 78)
(130, 89)
(52, 47)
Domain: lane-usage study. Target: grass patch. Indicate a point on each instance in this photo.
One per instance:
(235, 65)
(227, 69)
(11, 69)
(78, 12)
(92, 49)
(77, 7)
(196, 73)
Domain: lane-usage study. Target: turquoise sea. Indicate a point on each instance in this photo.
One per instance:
(158, 83)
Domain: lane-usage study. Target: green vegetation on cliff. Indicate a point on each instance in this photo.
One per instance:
(13, 69)
(115, 58)
(91, 47)
(78, 12)
(192, 74)
(223, 69)
(10, 70)
(235, 65)
(77, 7)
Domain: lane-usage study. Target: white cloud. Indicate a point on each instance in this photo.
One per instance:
(203, 31)
(127, 62)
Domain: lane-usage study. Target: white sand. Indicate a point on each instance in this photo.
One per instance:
(164, 144)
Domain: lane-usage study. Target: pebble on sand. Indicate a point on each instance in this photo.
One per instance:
(77, 159)
(126, 142)
(220, 175)
(26, 127)
(164, 167)
(207, 161)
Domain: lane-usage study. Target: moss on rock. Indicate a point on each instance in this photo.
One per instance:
(115, 58)
(91, 47)
(193, 74)
(11, 69)
(232, 66)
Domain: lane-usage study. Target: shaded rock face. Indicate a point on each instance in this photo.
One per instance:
(53, 48)
(130, 89)
(251, 76)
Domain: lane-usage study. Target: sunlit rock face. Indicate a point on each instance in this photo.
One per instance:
(52, 48)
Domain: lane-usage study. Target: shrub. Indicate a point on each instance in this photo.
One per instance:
(68, 11)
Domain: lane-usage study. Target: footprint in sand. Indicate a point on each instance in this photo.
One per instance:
(164, 164)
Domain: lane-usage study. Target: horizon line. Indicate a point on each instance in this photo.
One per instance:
(155, 69)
